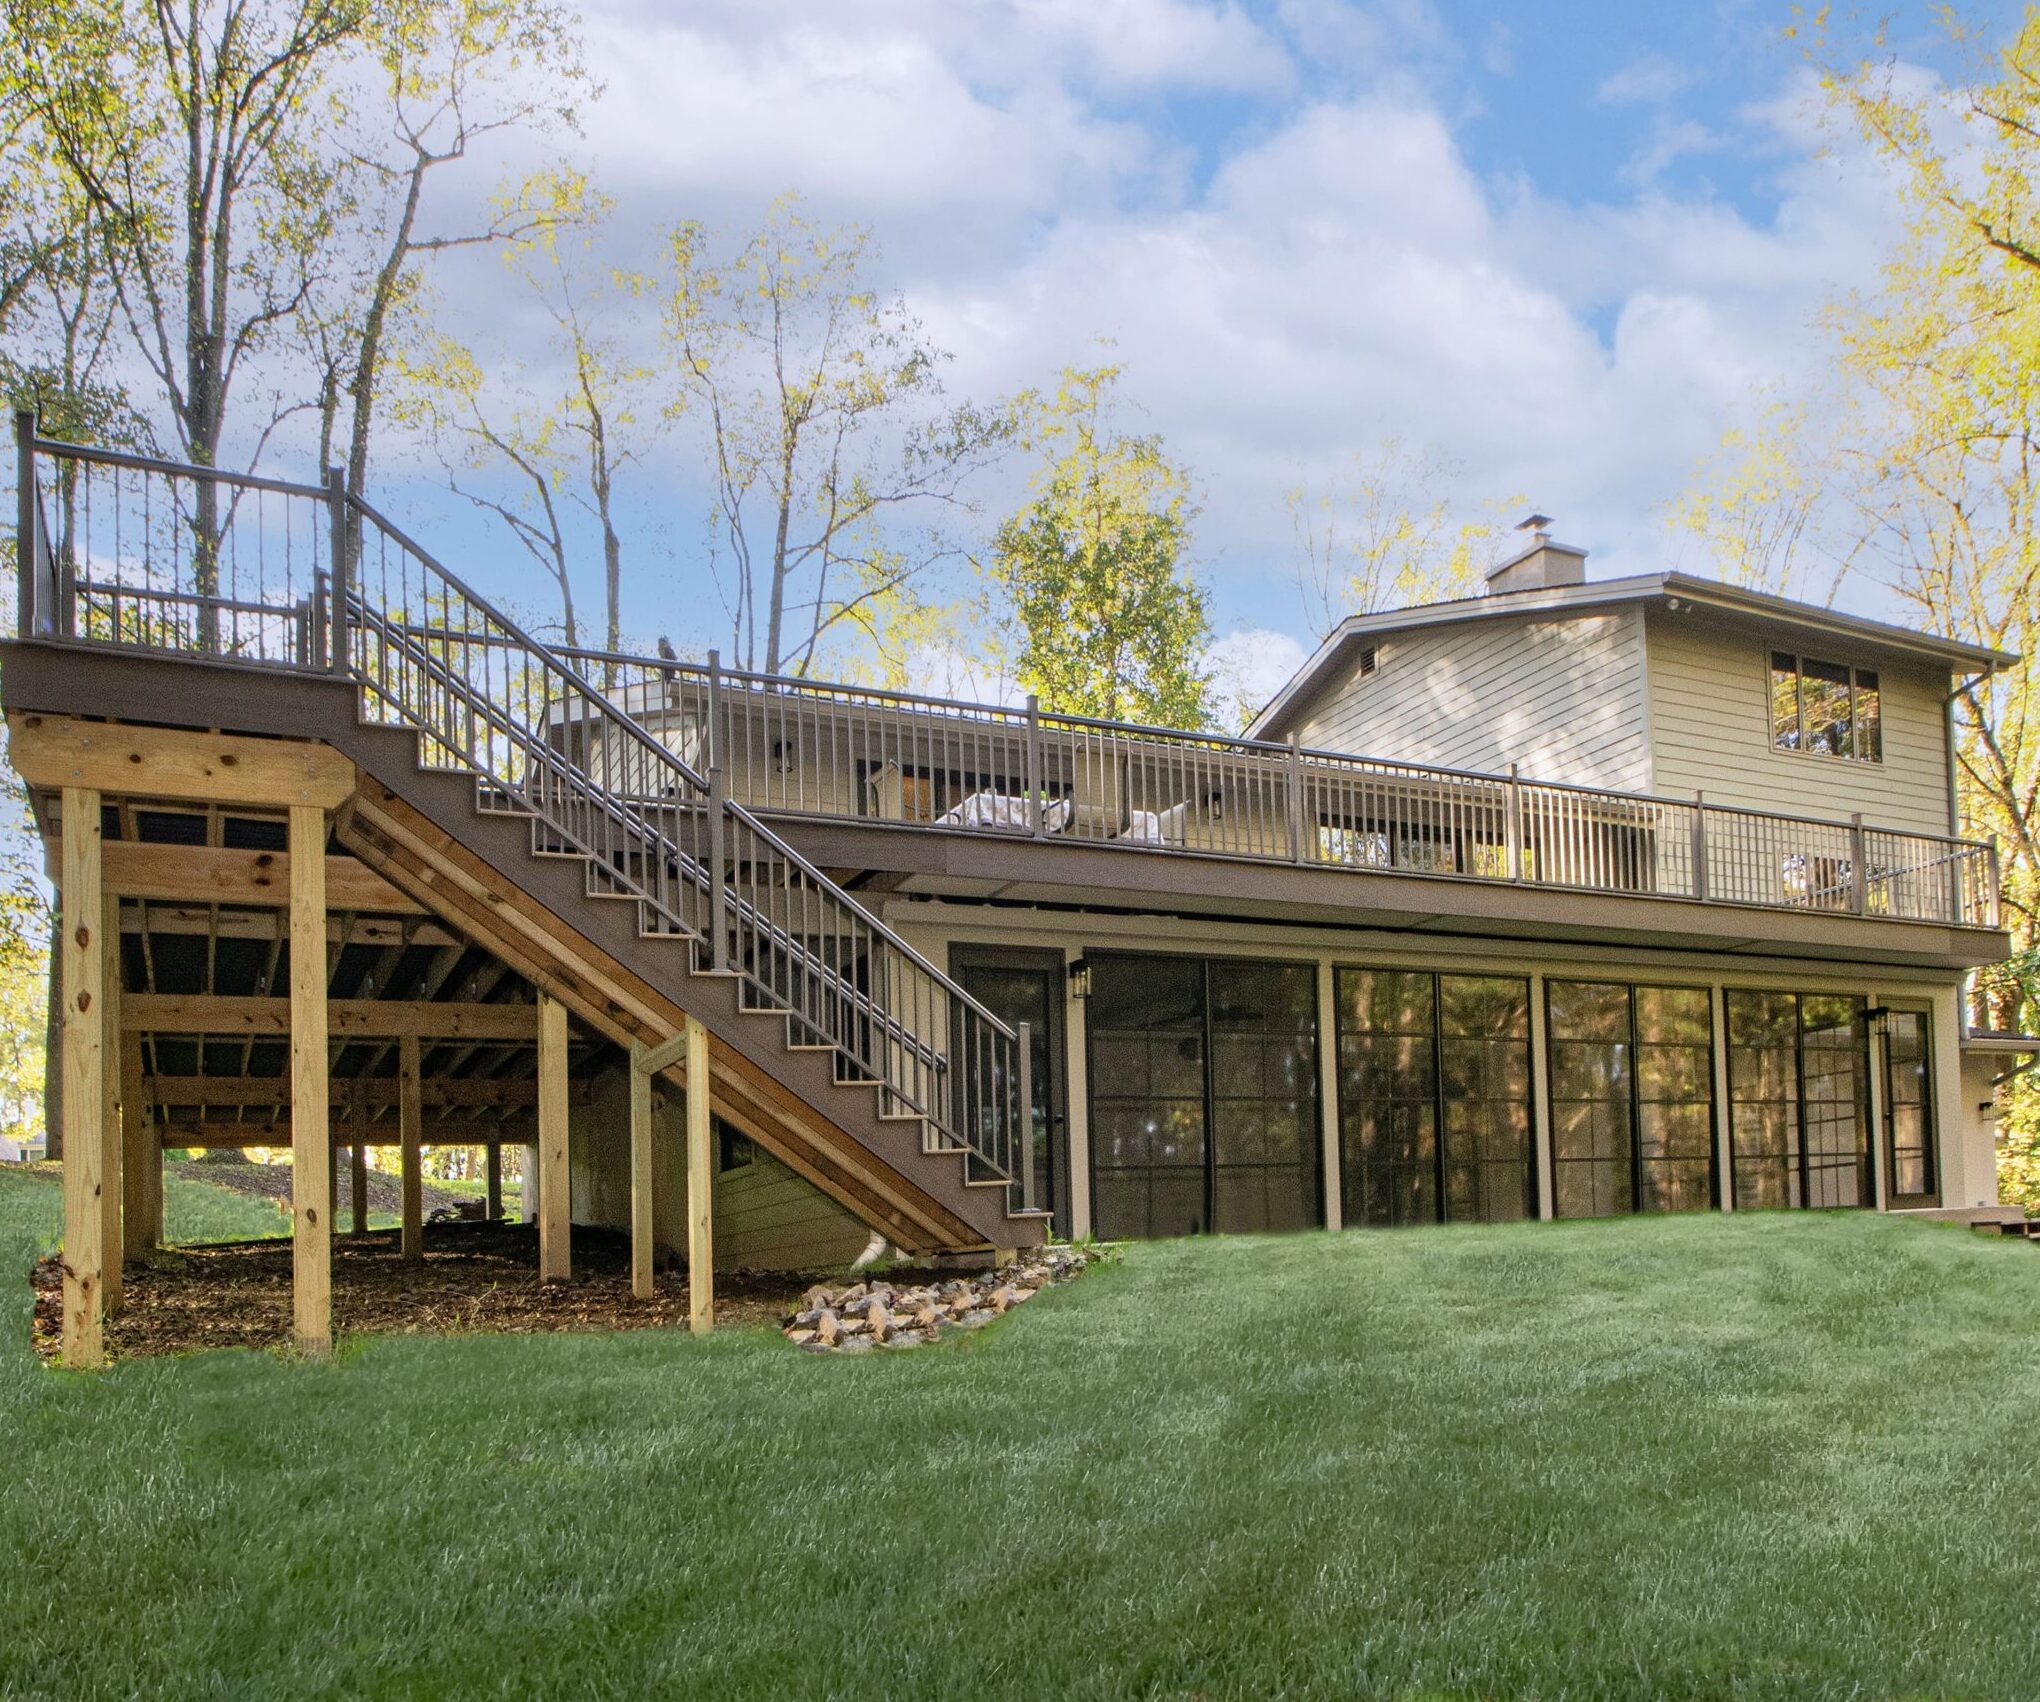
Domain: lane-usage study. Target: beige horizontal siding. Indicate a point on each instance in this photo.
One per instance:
(1710, 691)
(1565, 699)
(770, 1218)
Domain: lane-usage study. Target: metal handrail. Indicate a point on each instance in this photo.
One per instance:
(633, 820)
(635, 730)
(1015, 715)
(803, 942)
(58, 450)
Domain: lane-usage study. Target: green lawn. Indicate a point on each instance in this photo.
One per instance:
(1767, 1456)
(203, 1211)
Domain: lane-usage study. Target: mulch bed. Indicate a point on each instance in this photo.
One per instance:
(474, 1277)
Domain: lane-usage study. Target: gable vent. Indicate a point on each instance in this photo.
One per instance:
(1370, 659)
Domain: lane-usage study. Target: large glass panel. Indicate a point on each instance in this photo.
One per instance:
(1869, 717)
(1593, 1134)
(1147, 1096)
(1836, 1106)
(1484, 1081)
(1388, 1096)
(1799, 1121)
(1763, 1092)
(1674, 1098)
(1908, 1105)
(1434, 1097)
(1265, 1166)
(1824, 707)
(1785, 700)
(1184, 1141)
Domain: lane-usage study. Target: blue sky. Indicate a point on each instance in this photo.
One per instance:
(1561, 249)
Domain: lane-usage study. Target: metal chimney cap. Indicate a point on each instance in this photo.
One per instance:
(1534, 523)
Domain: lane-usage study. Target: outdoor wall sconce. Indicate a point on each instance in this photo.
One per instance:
(782, 757)
(1080, 978)
(1877, 1019)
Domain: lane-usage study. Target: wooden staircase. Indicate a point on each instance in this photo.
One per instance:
(500, 788)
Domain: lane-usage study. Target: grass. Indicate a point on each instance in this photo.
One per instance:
(204, 1211)
(1761, 1456)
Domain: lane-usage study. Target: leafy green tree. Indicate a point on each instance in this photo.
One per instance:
(1105, 619)
(1932, 480)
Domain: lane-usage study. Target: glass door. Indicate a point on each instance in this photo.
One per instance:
(1204, 1111)
(1909, 1109)
(1027, 986)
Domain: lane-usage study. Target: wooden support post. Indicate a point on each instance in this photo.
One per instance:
(84, 1070)
(357, 1178)
(555, 1188)
(700, 1179)
(310, 1127)
(410, 1121)
(112, 1187)
(640, 1175)
(141, 1158)
(494, 1161)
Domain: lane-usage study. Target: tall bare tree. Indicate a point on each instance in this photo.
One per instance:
(1390, 530)
(447, 77)
(567, 422)
(836, 458)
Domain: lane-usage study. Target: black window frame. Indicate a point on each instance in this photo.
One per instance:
(1315, 1134)
(1931, 1132)
(1798, 662)
(1871, 1196)
(1534, 1155)
(1635, 1043)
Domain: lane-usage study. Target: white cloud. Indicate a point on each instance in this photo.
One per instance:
(1250, 667)
(1145, 43)
(1338, 273)
(1649, 79)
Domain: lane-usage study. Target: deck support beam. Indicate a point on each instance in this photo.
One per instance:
(84, 1084)
(310, 1127)
(555, 1188)
(112, 1172)
(141, 1160)
(357, 1180)
(641, 1214)
(700, 1182)
(410, 1121)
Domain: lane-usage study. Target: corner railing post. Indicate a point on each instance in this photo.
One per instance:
(1699, 852)
(1026, 1113)
(1037, 793)
(1859, 875)
(27, 616)
(1513, 831)
(712, 742)
(341, 568)
(318, 610)
(1295, 799)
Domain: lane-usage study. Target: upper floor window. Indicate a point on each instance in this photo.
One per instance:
(1826, 707)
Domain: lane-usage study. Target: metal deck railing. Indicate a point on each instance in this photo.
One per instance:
(805, 748)
(134, 553)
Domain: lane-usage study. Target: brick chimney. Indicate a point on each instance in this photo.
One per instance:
(1540, 563)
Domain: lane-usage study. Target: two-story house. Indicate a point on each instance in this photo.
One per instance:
(1641, 895)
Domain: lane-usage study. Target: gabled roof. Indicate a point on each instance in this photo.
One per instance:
(1564, 602)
